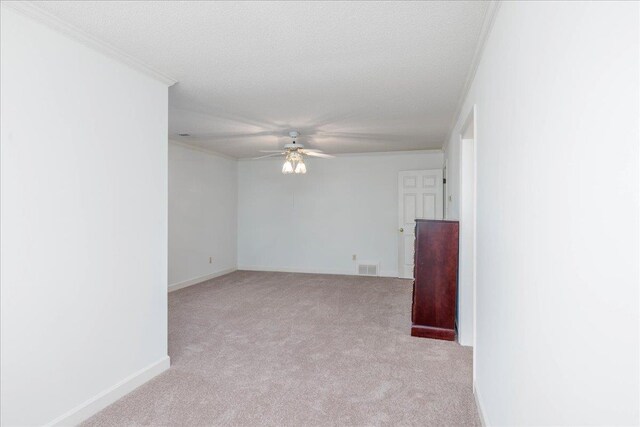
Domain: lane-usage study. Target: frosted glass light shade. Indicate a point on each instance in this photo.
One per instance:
(300, 167)
(287, 167)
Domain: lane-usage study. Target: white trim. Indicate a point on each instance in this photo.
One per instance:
(110, 395)
(476, 396)
(388, 273)
(346, 272)
(445, 189)
(474, 111)
(372, 153)
(392, 153)
(201, 149)
(487, 25)
(175, 286)
(33, 11)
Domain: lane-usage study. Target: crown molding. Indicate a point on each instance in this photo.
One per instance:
(206, 150)
(391, 153)
(32, 11)
(365, 154)
(201, 149)
(487, 25)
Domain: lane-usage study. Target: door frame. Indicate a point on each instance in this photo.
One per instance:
(445, 190)
(468, 216)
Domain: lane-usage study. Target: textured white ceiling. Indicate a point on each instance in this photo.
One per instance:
(349, 76)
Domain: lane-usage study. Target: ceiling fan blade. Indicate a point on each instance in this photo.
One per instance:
(268, 155)
(316, 154)
(272, 151)
(309, 150)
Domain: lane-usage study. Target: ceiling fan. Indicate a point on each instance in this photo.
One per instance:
(294, 155)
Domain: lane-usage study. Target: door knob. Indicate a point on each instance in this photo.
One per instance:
(402, 230)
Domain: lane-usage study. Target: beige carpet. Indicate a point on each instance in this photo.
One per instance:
(284, 349)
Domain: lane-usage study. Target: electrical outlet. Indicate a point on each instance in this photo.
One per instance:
(210, 259)
(353, 257)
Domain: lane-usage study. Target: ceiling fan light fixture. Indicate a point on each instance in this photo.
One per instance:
(294, 156)
(300, 167)
(293, 163)
(287, 167)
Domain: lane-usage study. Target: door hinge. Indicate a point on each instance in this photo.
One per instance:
(444, 180)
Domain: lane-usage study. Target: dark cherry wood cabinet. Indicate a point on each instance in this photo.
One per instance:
(433, 314)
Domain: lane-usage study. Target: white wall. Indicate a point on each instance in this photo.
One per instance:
(558, 212)
(316, 222)
(203, 212)
(84, 225)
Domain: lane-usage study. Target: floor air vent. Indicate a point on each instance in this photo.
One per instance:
(367, 269)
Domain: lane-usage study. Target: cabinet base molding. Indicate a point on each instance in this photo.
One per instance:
(431, 332)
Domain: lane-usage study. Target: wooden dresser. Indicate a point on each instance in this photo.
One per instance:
(433, 314)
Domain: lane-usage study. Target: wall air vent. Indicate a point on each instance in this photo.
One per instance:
(367, 269)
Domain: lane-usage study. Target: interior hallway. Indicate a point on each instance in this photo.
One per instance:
(262, 348)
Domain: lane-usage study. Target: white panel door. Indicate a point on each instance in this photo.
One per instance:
(419, 197)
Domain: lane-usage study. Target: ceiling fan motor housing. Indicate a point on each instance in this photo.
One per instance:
(293, 146)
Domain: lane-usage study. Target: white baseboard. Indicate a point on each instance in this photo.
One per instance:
(383, 273)
(390, 273)
(195, 281)
(483, 420)
(110, 395)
